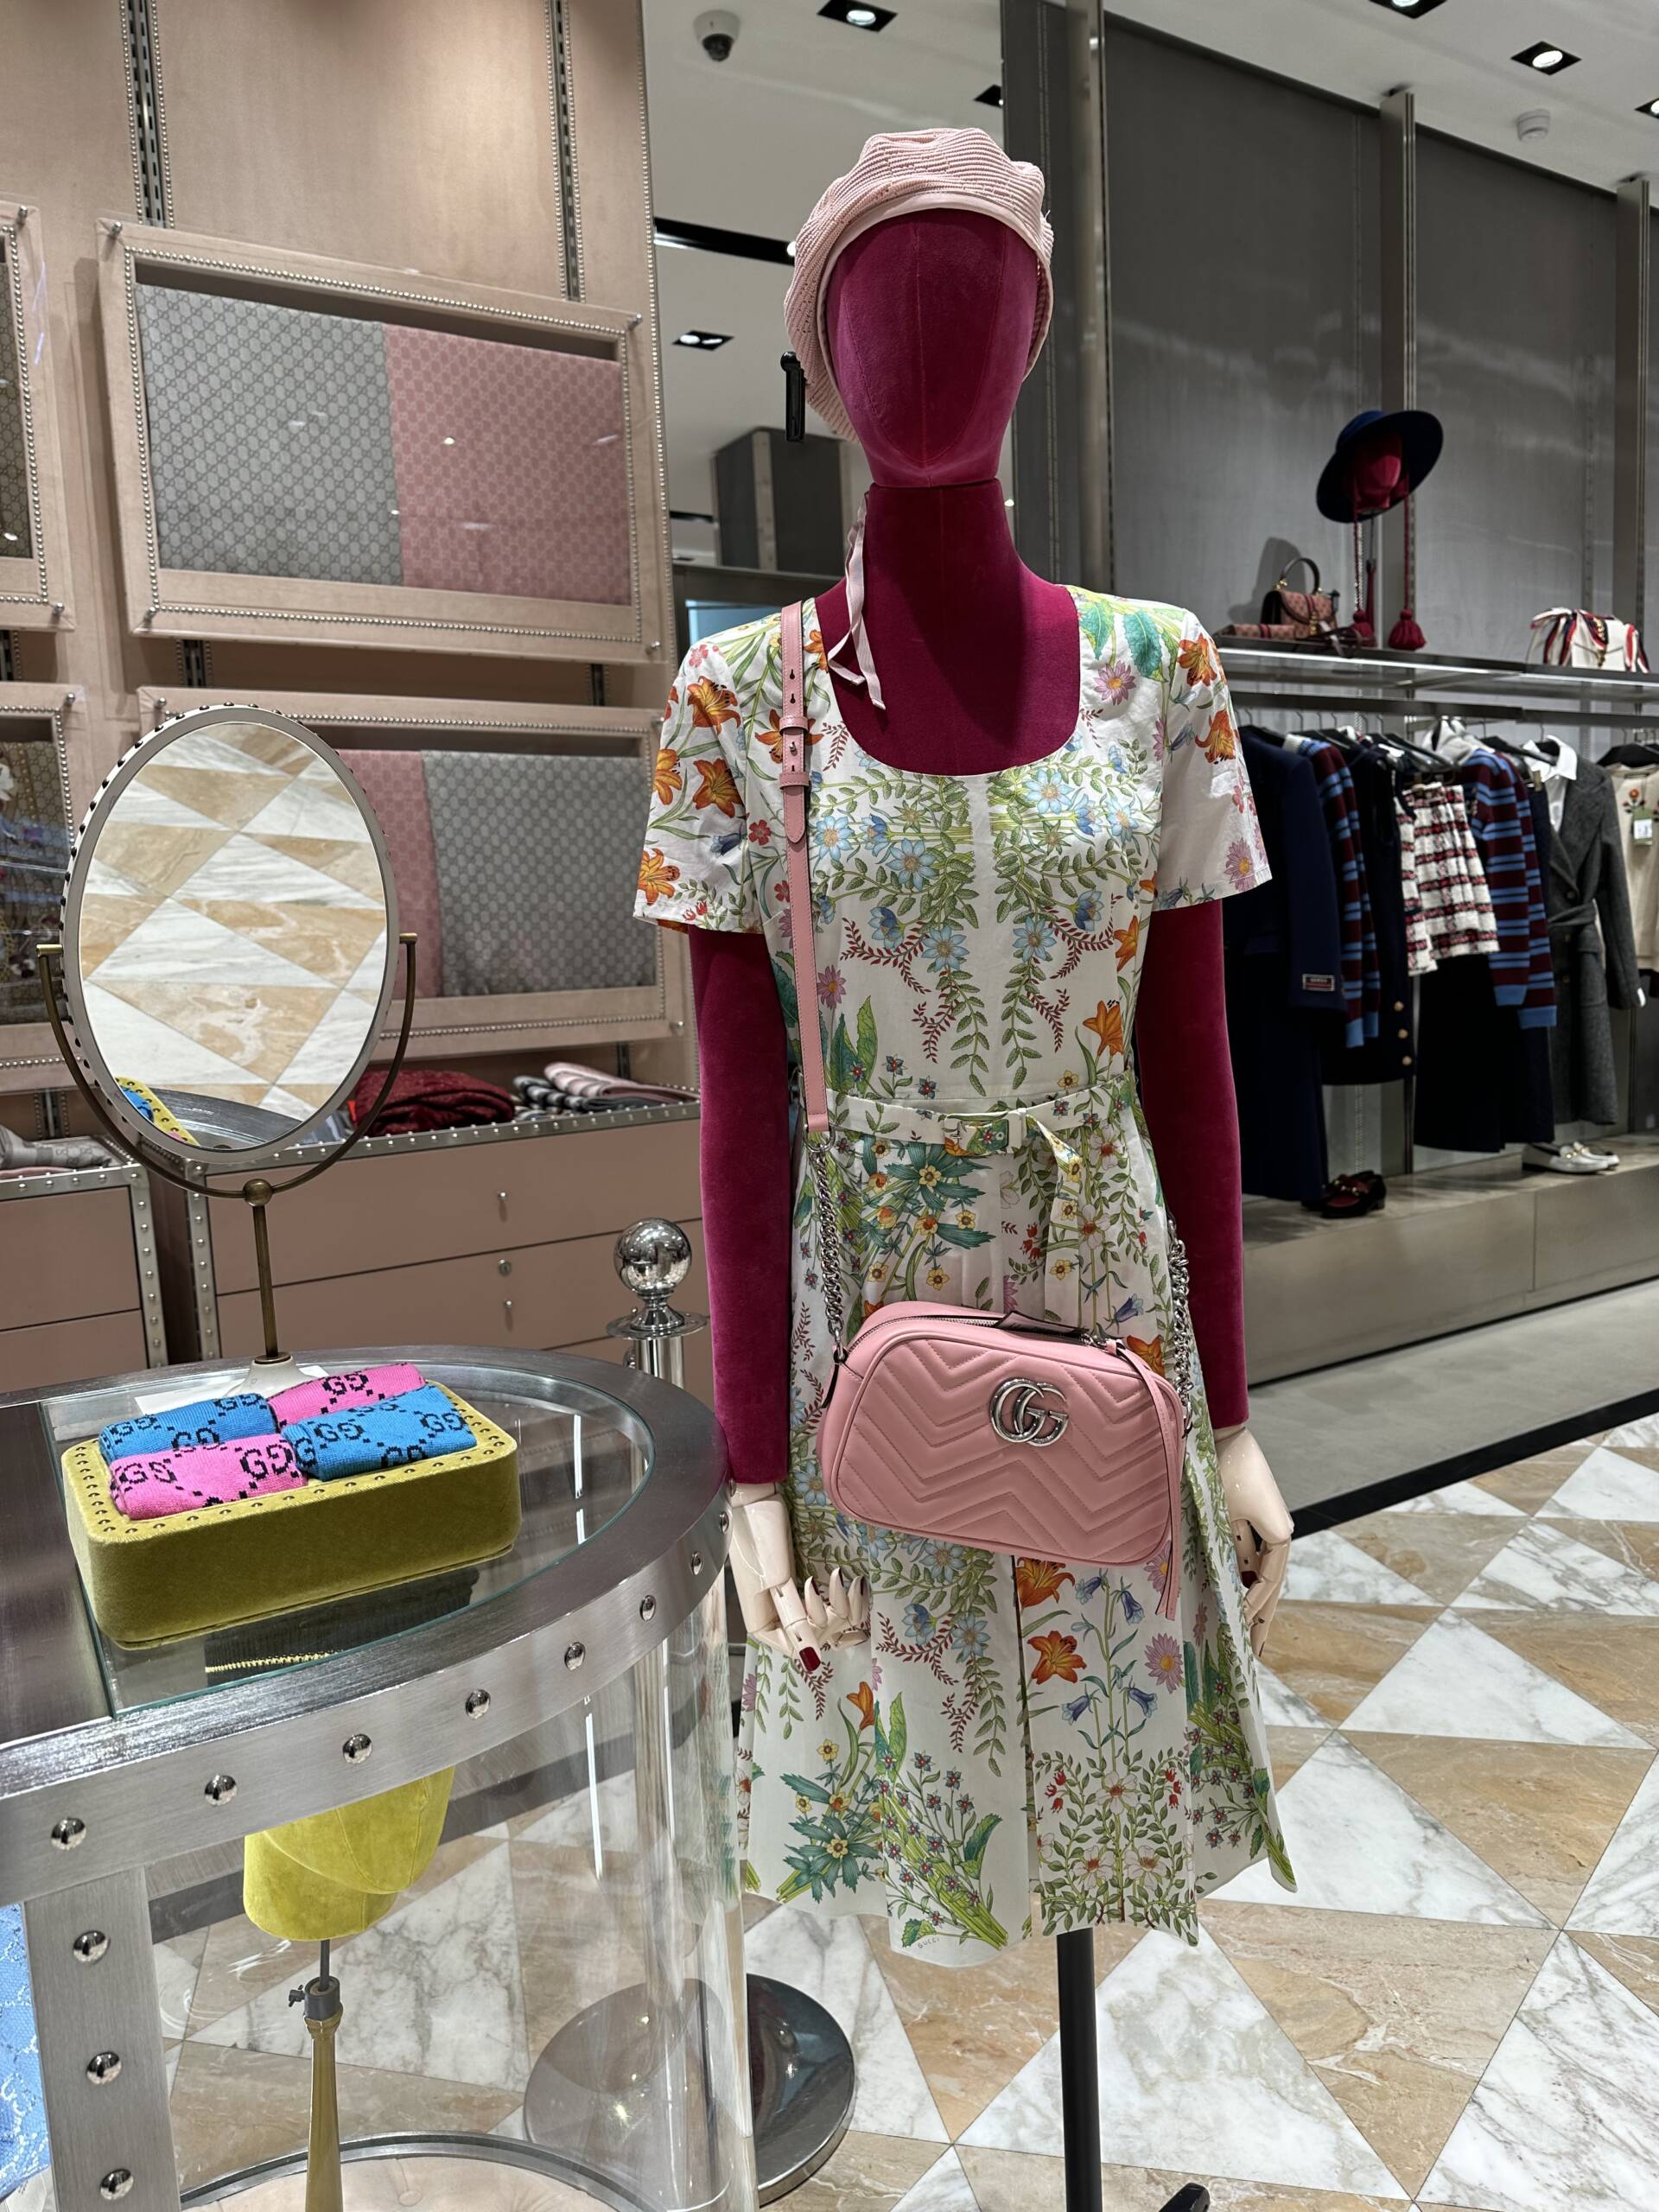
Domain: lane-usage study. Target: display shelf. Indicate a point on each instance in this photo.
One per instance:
(1297, 675)
(1454, 1248)
(33, 537)
(503, 1235)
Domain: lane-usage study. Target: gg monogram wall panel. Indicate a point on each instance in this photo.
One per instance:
(276, 418)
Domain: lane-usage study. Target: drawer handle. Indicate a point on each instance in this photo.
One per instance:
(506, 1311)
(501, 1200)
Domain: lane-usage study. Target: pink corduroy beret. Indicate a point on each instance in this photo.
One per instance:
(897, 173)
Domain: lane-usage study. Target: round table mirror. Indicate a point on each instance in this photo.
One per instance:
(230, 937)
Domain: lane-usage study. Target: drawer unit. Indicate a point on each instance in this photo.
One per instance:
(79, 1279)
(540, 1298)
(396, 1208)
(501, 1235)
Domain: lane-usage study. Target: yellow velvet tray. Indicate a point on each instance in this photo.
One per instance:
(151, 1580)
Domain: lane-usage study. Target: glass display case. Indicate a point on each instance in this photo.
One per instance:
(578, 1924)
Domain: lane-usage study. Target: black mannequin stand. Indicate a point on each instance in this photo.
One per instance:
(1080, 2082)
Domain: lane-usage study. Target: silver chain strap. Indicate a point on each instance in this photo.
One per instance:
(828, 1214)
(1183, 1366)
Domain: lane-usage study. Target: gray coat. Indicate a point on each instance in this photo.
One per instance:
(1592, 946)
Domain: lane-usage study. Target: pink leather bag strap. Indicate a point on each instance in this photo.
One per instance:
(796, 782)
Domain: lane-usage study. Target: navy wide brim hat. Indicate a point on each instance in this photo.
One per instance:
(1361, 479)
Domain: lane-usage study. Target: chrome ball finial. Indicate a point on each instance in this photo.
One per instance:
(653, 1258)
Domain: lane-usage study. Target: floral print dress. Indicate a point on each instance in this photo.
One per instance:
(1025, 1746)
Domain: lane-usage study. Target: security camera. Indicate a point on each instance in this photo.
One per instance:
(716, 32)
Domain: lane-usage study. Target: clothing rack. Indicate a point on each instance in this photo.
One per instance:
(1296, 680)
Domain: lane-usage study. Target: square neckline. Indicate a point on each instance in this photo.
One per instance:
(810, 622)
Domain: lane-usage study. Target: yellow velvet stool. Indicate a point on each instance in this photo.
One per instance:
(335, 1875)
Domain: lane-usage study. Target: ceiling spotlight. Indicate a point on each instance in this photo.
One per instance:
(1547, 58)
(991, 97)
(859, 15)
(1409, 8)
(1648, 108)
(704, 341)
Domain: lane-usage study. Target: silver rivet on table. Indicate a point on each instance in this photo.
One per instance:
(725, 1523)
(574, 1656)
(102, 2066)
(478, 1704)
(115, 2184)
(357, 1748)
(222, 1788)
(65, 1834)
(90, 1945)
(647, 1607)
(696, 1562)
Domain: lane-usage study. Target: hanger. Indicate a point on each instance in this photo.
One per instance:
(1634, 753)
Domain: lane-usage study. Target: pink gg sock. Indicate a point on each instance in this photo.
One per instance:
(153, 1484)
(344, 1394)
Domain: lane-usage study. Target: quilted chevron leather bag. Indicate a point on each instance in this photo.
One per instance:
(992, 1430)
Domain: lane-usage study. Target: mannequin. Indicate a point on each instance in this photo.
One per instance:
(977, 661)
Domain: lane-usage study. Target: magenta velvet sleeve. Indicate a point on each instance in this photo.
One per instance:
(743, 1060)
(1187, 1089)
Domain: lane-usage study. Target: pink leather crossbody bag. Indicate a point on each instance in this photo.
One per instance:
(992, 1430)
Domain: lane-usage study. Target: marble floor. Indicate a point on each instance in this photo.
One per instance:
(1459, 2009)
(233, 931)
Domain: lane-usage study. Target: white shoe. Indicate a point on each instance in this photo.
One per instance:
(1596, 1155)
(1566, 1159)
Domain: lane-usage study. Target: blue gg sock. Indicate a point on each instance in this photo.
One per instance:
(207, 1420)
(421, 1424)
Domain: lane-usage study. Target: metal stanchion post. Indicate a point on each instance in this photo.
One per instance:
(800, 2065)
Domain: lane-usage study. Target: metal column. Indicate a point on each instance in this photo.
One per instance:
(1632, 282)
(1394, 587)
(1054, 114)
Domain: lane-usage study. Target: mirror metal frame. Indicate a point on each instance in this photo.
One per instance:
(139, 1133)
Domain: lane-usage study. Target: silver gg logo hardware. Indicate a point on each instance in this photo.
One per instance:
(1020, 1417)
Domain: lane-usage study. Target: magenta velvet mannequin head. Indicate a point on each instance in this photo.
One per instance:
(929, 321)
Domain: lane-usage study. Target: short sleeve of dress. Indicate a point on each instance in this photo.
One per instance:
(1210, 842)
(693, 872)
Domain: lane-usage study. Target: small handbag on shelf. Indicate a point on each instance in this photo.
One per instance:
(997, 1431)
(1569, 637)
(1301, 618)
(1292, 614)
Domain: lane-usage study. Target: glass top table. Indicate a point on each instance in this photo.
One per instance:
(624, 1530)
(582, 1456)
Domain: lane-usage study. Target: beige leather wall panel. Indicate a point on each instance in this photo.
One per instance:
(409, 1207)
(71, 1351)
(64, 1255)
(556, 1294)
(418, 134)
